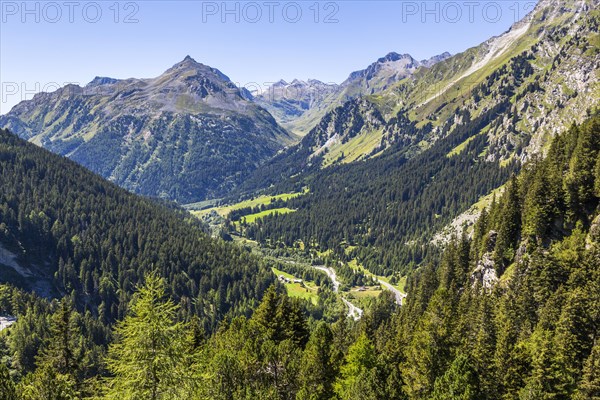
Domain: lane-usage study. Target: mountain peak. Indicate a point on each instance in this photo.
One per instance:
(398, 65)
(188, 61)
(436, 59)
(101, 80)
(190, 67)
(393, 56)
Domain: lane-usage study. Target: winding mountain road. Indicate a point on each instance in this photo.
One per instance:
(353, 311)
(398, 294)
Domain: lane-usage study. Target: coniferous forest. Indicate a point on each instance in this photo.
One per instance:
(426, 229)
(93, 242)
(533, 334)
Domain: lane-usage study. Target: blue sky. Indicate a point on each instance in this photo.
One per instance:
(46, 44)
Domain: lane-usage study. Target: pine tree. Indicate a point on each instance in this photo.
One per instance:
(542, 384)
(597, 177)
(509, 226)
(316, 372)
(579, 182)
(589, 386)
(7, 386)
(485, 343)
(281, 318)
(148, 359)
(62, 352)
(59, 373)
(543, 200)
(428, 354)
(459, 382)
(572, 341)
(358, 378)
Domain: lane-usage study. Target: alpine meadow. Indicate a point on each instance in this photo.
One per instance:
(423, 229)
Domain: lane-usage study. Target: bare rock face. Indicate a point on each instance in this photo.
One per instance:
(594, 235)
(485, 273)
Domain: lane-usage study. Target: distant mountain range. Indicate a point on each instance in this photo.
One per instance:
(299, 105)
(189, 133)
(184, 135)
(541, 75)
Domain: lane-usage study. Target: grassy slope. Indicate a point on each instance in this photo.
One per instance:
(305, 290)
(253, 217)
(458, 149)
(225, 210)
(354, 149)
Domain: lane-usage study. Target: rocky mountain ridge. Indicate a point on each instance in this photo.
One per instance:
(184, 135)
(300, 105)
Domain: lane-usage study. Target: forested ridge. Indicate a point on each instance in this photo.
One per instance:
(432, 237)
(528, 331)
(94, 242)
(383, 204)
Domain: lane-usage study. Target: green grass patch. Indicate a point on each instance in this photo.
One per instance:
(225, 210)
(508, 273)
(370, 291)
(485, 201)
(363, 298)
(459, 149)
(305, 290)
(354, 149)
(504, 163)
(253, 217)
(355, 265)
(279, 272)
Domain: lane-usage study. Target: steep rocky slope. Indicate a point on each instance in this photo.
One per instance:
(299, 106)
(542, 73)
(185, 135)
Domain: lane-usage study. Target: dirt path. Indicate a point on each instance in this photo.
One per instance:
(398, 294)
(353, 311)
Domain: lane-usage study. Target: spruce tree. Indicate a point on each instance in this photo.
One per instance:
(589, 385)
(459, 382)
(316, 372)
(509, 226)
(148, 359)
(7, 386)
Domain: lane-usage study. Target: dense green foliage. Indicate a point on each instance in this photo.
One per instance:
(386, 202)
(531, 334)
(149, 357)
(93, 241)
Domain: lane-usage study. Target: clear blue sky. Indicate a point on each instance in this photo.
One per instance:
(45, 44)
